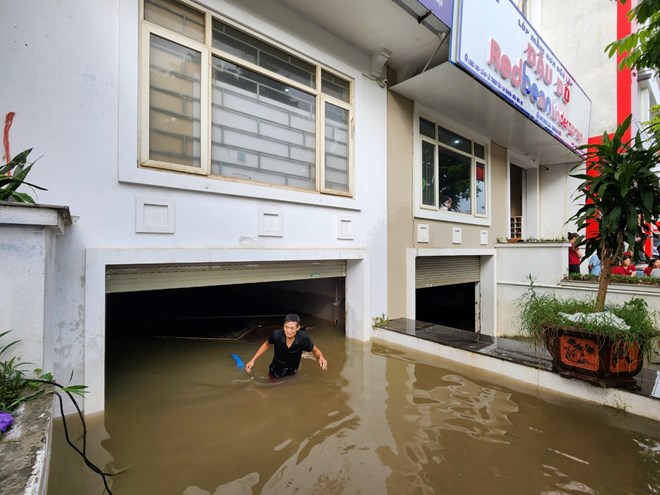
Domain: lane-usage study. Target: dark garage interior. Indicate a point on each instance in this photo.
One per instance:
(223, 311)
(449, 305)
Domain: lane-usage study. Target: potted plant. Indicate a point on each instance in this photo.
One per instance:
(12, 176)
(621, 192)
(17, 388)
(23, 401)
(604, 348)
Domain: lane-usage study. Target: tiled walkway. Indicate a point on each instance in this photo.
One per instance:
(647, 382)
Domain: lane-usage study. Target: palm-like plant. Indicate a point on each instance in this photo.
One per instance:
(12, 176)
(622, 197)
(16, 387)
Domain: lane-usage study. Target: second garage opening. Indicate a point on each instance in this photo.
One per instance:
(447, 291)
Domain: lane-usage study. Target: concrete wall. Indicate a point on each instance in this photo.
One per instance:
(558, 200)
(509, 295)
(72, 79)
(577, 32)
(27, 248)
(401, 227)
(547, 264)
(499, 194)
(25, 448)
(403, 242)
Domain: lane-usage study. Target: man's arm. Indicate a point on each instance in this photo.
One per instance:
(263, 348)
(319, 355)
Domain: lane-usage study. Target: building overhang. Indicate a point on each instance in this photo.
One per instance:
(457, 96)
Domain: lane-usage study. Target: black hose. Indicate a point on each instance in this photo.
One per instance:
(82, 452)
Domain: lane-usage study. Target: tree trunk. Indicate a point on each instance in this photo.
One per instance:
(603, 282)
(606, 269)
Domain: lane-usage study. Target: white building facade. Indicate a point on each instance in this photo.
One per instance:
(195, 144)
(221, 142)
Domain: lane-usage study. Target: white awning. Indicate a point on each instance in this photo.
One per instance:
(452, 93)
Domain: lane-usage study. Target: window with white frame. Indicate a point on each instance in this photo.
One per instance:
(223, 102)
(453, 171)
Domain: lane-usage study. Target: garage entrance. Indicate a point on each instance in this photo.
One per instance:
(221, 301)
(447, 289)
(448, 305)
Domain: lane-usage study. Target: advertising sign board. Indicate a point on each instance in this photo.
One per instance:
(442, 9)
(495, 44)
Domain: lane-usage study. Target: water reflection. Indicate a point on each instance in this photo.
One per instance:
(185, 420)
(428, 411)
(242, 486)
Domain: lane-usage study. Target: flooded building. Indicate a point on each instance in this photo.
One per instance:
(358, 158)
(471, 136)
(198, 144)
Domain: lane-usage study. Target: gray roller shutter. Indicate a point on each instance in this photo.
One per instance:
(128, 278)
(432, 271)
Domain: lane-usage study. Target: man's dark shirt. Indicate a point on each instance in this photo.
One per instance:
(287, 359)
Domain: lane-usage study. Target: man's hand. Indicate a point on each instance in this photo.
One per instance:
(319, 355)
(250, 364)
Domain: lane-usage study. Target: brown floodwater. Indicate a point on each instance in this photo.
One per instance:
(182, 419)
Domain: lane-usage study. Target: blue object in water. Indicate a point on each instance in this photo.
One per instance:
(239, 363)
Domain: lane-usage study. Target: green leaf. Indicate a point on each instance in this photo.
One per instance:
(13, 175)
(80, 390)
(647, 199)
(23, 197)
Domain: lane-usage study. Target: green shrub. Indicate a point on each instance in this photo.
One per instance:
(615, 279)
(540, 312)
(380, 321)
(13, 175)
(16, 387)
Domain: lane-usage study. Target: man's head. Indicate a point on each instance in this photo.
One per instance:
(291, 325)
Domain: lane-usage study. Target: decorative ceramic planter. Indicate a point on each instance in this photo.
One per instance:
(594, 358)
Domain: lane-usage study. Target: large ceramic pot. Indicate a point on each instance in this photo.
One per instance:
(592, 357)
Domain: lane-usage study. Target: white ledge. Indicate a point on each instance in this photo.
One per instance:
(35, 214)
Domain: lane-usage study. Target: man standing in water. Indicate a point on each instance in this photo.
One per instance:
(289, 342)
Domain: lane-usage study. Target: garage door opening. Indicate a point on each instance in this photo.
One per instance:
(447, 291)
(226, 312)
(448, 305)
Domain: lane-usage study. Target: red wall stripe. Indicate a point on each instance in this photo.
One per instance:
(624, 77)
(592, 225)
(624, 85)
